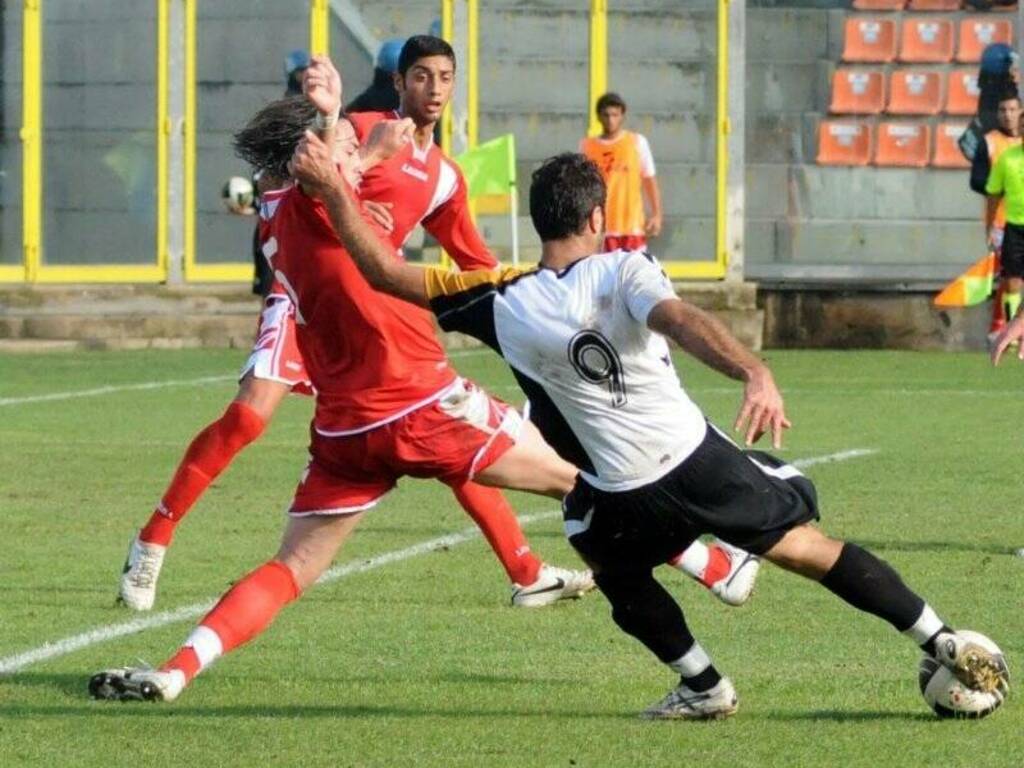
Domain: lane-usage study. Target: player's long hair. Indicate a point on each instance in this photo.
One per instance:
(268, 141)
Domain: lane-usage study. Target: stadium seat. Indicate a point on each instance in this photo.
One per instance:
(962, 92)
(844, 142)
(947, 151)
(979, 32)
(934, 5)
(857, 92)
(926, 40)
(902, 144)
(869, 40)
(913, 92)
(879, 5)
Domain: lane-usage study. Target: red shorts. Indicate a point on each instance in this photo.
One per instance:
(275, 356)
(451, 438)
(624, 242)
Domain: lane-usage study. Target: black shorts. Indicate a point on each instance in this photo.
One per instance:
(1011, 256)
(747, 498)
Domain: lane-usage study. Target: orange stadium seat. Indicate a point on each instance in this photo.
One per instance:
(879, 5)
(868, 39)
(962, 92)
(902, 144)
(913, 92)
(844, 142)
(979, 32)
(947, 151)
(934, 5)
(926, 40)
(857, 92)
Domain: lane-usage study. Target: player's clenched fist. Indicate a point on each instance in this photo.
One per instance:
(321, 82)
(313, 165)
(389, 137)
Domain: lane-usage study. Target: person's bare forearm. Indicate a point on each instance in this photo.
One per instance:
(706, 338)
(375, 259)
(991, 206)
(653, 194)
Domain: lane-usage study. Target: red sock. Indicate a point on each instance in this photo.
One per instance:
(207, 456)
(491, 511)
(998, 316)
(243, 612)
(717, 567)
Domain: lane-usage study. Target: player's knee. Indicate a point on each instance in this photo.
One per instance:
(805, 550)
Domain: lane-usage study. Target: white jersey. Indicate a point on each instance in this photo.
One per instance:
(602, 387)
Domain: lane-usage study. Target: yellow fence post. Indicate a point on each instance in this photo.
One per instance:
(447, 32)
(163, 132)
(319, 27)
(598, 59)
(189, 145)
(722, 139)
(32, 137)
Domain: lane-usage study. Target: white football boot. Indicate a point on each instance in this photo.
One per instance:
(683, 704)
(552, 584)
(974, 666)
(141, 571)
(736, 586)
(133, 684)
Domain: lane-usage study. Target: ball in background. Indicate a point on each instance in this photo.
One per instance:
(237, 194)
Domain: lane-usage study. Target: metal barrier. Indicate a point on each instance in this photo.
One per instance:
(175, 148)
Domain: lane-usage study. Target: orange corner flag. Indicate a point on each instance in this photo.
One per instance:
(972, 287)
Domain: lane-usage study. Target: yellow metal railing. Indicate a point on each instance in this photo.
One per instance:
(163, 132)
(32, 137)
(598, 60)
(319, 27)
(34, 268)
(715, 268)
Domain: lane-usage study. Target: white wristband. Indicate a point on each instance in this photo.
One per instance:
(322, 122)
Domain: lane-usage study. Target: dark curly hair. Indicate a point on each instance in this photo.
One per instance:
(565, 191)
(269, 139)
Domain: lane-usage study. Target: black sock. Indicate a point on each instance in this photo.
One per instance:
(704, 681)
(644, 609)
(871, 585)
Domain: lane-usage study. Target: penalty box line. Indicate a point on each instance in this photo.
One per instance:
(52, 650)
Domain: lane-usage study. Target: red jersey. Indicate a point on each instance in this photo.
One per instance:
(370, 357)
(424, 187)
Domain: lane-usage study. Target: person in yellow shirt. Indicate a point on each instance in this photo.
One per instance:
(1005, 188)
(1006, 134)
(627, 165)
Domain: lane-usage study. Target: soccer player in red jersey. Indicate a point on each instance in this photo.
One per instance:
(421, 185)
(366, 354)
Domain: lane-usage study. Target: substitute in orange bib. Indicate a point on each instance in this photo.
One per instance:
(627, 166)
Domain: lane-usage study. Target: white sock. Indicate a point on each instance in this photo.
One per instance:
(694, 561)
(924, 629)
(207, 645)
(691, 663)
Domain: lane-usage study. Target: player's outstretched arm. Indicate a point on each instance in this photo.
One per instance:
(706, 338)
(1012, 333)
(313, 166)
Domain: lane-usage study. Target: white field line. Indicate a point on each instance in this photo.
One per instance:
(52, 650)
(112, 388)
(64, 646)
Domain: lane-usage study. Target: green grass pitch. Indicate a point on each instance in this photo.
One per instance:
(422, 662)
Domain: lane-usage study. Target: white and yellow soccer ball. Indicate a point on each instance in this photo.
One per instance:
(237, 194)
(948, 697)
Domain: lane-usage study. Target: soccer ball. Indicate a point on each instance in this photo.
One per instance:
(948, 697)
(237, 194)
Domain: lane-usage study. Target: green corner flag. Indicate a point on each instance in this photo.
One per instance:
(490, 168)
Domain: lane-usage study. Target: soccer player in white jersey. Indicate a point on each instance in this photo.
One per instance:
(584, 334)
